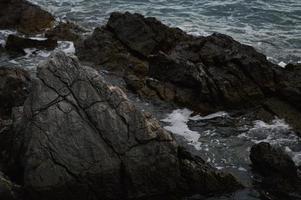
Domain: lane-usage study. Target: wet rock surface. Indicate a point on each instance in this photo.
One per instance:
(24, 16)
(203, 73)
(14, 89)
(18, 44)
(80, 137)
(68, 31)
(9, 190)
(280, 178)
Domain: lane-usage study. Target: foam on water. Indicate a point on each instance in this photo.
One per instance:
(226, 145)
(178, 120)
(278, 133)
(178, 125)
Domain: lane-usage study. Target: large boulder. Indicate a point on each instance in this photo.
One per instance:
(203, 73)
(24, 16)
(81, 138)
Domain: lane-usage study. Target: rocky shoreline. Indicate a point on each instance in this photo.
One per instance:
(66, 133)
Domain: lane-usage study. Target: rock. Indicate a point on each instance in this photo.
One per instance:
(102, 48)
(81, 138)
(14, 89)
(280, 179)
(272, 161)
(284, 110)
(68, 31)
(9, 190)
(143, 35)
(203, 73)
(24, 16)
(18, 44)
(205, 177)
(220, 71)
(290, 85)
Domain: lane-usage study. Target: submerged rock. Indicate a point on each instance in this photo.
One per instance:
(24, 16)
(18, 44)
(81, 138)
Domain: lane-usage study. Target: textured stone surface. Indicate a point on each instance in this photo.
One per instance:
(270, 161)
(18, 44)
(206, 74)
(82, 139)
(24, 16)
(68, 31)
(14, 89)
(280, 178)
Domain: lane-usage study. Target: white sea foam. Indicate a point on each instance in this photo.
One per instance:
(67, 47)
(277, 133)
(178, 125)
(211, 116)
(282, 64)
(178, 120)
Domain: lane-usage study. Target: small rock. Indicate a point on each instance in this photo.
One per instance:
(24, 16)
(280, 179)
(270, 161)
(18, 44)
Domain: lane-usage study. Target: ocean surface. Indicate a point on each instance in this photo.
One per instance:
(271, 26)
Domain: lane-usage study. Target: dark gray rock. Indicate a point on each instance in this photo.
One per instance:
(290, 85)
(14, 89)
(18, 44)
(203, 73)
(9, 190)
(81, 138)
(24, 16)
(272, 161)
(143, 35)
(280, 179)
(103, 49)
(68, 31)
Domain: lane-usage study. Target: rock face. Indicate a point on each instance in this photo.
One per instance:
(24, 16)
(18, 44)
(280, 176)
(8, 190)
(66, 31)
(14, 89)
(82, 139)
(203, 73)
(270, 161)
